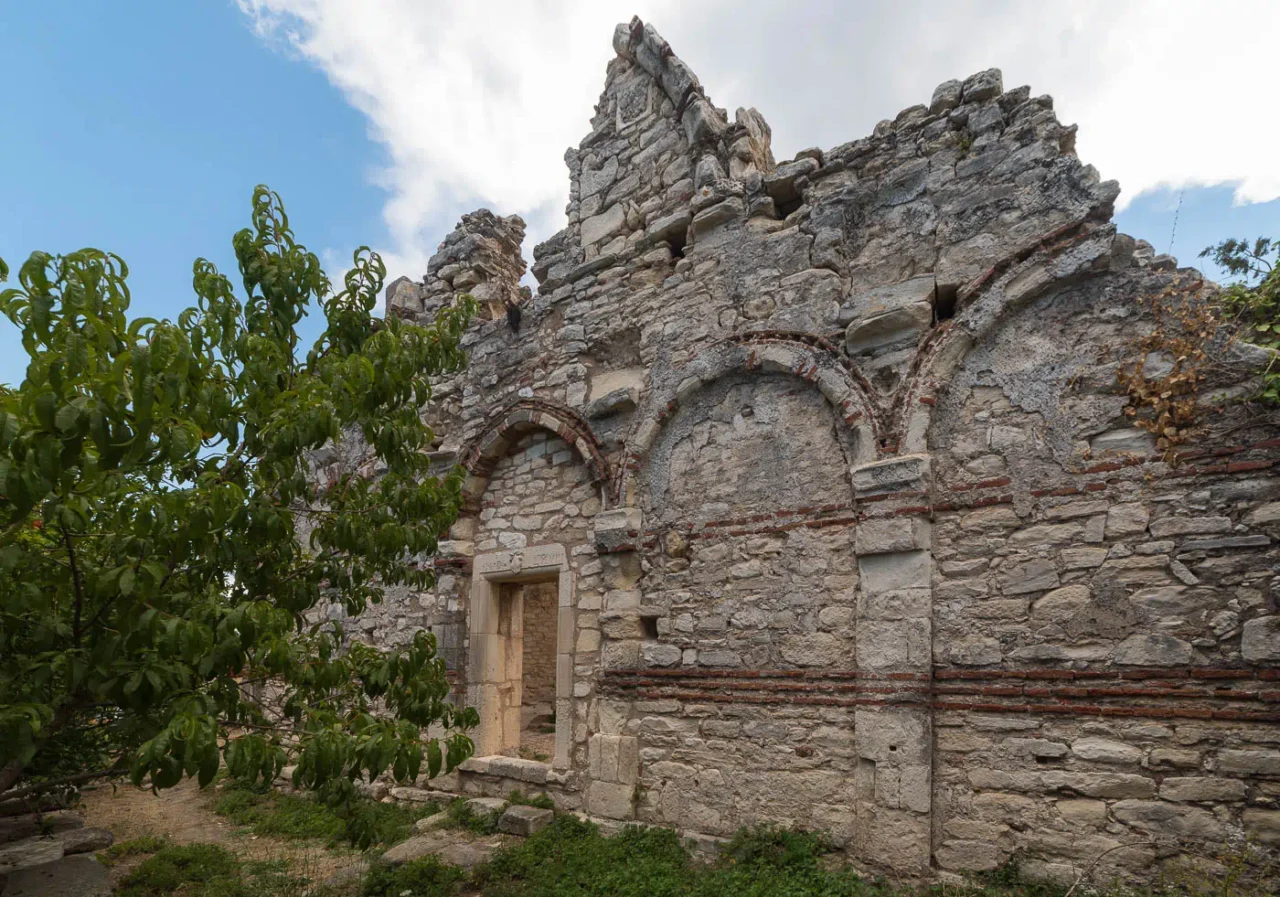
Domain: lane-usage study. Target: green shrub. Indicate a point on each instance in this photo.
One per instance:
(427, 877)
(570, 856)
(772, 846)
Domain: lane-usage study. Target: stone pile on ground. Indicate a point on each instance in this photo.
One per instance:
(435, 838)
(48, 855)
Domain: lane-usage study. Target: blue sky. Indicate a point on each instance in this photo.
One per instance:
(142, 127)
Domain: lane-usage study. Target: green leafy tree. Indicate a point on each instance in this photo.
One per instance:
(1254, 296)
(167, 552)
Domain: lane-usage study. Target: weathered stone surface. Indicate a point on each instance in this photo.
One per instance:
(891, 535)
(908, 473)
(611, 800)
(1260, 640)
(1166, 527)
(75, 876)
(1061, 604)
(524, 821)
(972, 856)
(1249, 762)
(888, 329)
(1199, 788)
(600, 226)
(1263, 826)
(918, 291)
(1036, 576)
(617, 530)
(1126, 520)
(1103, 750)
(428, 823)
(29, 852)
(985, 85)
(1161, 818)
(413, 795)
(486, 806)
(946, 96)
(619, 401)
(85, 840)
(1153, 650)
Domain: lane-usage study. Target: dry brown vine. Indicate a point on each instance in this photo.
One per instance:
(1186, 332)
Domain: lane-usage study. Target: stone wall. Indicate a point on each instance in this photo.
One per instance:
(539, 645)
(858, 531)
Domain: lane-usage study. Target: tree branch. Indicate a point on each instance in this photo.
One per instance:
(79, 587)
(117, 768)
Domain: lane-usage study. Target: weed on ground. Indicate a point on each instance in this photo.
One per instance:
(274, 813)
(207, 870)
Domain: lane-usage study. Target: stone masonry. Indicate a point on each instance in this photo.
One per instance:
(828, 461)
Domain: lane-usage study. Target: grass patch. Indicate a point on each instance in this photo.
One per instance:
(207, 870)
(133, 847)
(265, 811)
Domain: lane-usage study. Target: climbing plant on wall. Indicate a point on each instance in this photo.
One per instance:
(1254, 296)
(154, 489)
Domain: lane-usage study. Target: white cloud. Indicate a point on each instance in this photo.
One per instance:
(476, 102)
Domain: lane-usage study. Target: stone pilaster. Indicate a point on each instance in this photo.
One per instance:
(894, 736)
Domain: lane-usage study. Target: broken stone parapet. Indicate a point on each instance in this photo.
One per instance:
(481, 257)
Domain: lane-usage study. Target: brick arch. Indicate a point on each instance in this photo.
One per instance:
(807, 357)
(1068, 254)
(507, 426)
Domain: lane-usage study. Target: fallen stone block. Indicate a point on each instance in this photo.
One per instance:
(77, 876)
(29, 852)
(524, 821)
(483, 806)
(429, 823)
(85, 840)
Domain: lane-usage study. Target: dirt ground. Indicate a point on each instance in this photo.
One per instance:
(184, 815)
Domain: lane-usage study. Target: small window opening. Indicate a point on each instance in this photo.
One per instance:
(677, 242)
(786, 207)
(650, 626)
(944, 302)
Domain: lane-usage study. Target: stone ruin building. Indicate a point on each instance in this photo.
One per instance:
(805, 494)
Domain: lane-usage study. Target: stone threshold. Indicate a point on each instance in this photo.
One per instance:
(531, 772)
